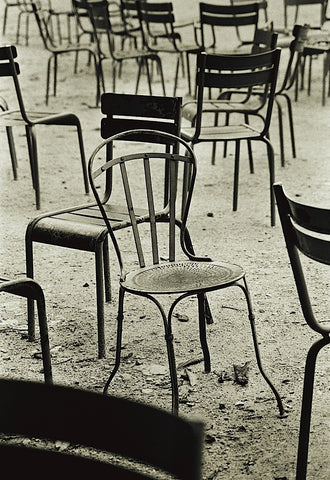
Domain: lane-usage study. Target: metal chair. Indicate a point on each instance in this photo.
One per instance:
(56, 50)
(164, 269)
(238, 71)
(147, 436)
(162, 35)
(30, 119)
(81, 227)
(8, 4)
(263, 5)
(214, 18)
(9, 131)
(27, 288)
(296, 4)
(98, 12)
(306, 230)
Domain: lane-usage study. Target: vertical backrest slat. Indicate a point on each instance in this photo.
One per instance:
(151, 207)
(132, 215)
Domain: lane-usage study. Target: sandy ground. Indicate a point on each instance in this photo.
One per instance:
(245, 437)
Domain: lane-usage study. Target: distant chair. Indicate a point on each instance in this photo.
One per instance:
(240, 71)
(151, 439)
(30, 119)
(57, 50)
(8, 4)
(28, 288)
(297, 5)
(263, 5)
(306, 231)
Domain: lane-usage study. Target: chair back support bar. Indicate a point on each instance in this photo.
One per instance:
(226, 15)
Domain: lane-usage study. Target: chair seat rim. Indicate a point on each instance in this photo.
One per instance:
(182, 277)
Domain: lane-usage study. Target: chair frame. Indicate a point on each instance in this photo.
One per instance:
(301, 225)
(299, 3)
(128, 429)
(168, 216)
(10, 68)
(60, 227)
(28, 288)
(210, 74)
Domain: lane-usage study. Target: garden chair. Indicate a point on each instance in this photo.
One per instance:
(214, 18)
(81, 227)
(8, 4)
(162, 35)
(28, 288)
(238, 71)
(101, 22)
(146, 436)
(10, 138)
(306, 230)
(297, 4)
(30, 119)
(263, 5)
(57, 50)
(164, 268)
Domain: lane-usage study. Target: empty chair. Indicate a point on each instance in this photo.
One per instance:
(144, 435)
(82, 227)
(56, 50)
(166, 264)
(306, 231)
(240, 71)
(8, 4)
(101, 22)
(28, 288)
(215, 18)
(163, 36)
(263, 5)
(298, 6)
(30, 119)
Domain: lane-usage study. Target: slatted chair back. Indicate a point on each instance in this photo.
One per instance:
(234, 72)
(213, 17)
(306, 230)
(131, 112)
(145, 435)
(158, 20)
(146, 161)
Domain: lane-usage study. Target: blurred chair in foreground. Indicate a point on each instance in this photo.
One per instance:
(27, 288)
(150, 438)
(306, 230)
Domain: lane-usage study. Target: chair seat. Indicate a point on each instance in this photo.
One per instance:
(14, 117)
(221, 133)
(181, 277)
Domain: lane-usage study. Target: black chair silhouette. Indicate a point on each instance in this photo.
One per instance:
(162, 35)
(306, 230)
(164, 268)
(239, 71)
(28, 288)
(81, 227)
(30, 119)
(145, 435)
(213, 19)
(58, 49)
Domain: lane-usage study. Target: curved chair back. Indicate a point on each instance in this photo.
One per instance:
(132, 430)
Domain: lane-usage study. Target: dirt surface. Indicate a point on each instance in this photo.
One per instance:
(244, 436)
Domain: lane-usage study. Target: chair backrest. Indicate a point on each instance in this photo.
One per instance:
(157, 19)
(237, 71)
(213, 16)
(264, 40)
(87, 419)
(323, 4)
(306, 229)
(139, 178)
(43, 25)
(300, 34)
(10, 68)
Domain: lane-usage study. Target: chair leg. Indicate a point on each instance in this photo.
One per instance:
(214, 144)
(236, 174)
(148, 75)
(290, 115)
(271, 167)
(140, 64)
(12, 150)
(106, 270)
(188, 73)
(55, 76)
(176, 75)
(33, 154)
(82, 155)
(160, 68)
(43, 328)
(280, 130)
(100, 299)
(48, 78)
(30, 274)
(244, 288)
(4, 20)
(202, 332)
(120, 318)
(306, 408)
(246, 120)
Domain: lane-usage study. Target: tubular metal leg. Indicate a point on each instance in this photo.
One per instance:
(100, 299)
(202, 332)
(306, 408)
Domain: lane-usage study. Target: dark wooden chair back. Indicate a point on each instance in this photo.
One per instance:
(132, 430)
